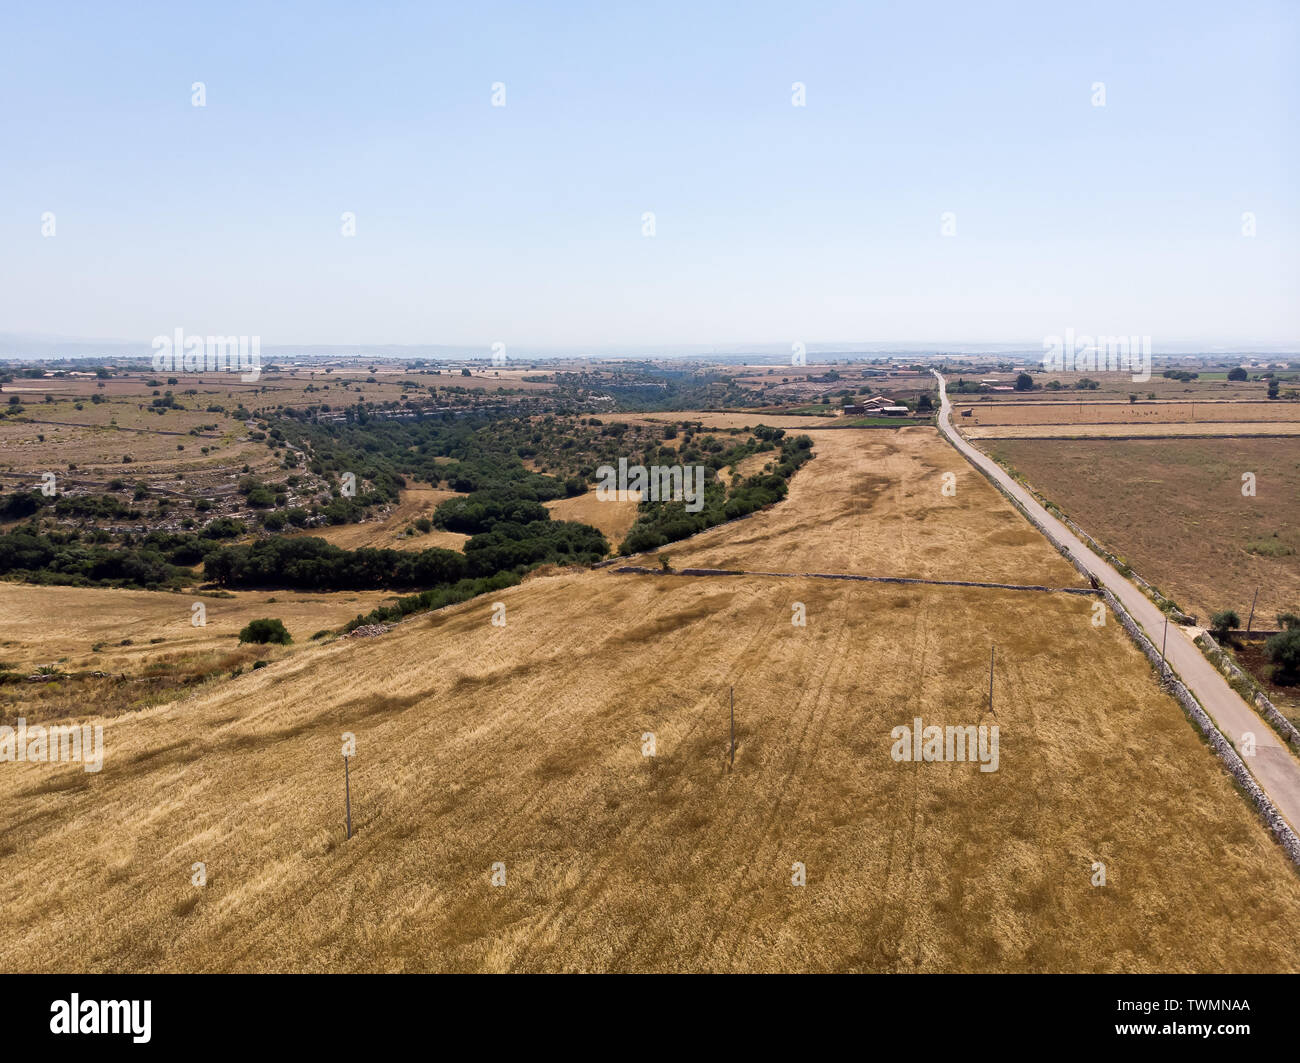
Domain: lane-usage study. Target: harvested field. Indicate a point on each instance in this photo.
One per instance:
(1191, 429)
(612, 517)
(144, 636)
(90, 616)
(1173, 509)
(872, 503)
(746, 467)
(1122, 413)
(523, 745)
(390, 532)
(1119, 386)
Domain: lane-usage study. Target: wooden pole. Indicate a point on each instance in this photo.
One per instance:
(1252, 610)
(1163, 642)
(347, 795)
(733, 728)
(991, 680)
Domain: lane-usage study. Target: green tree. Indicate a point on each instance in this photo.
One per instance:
(1223, 622)
(265, 630)
(1283, 649)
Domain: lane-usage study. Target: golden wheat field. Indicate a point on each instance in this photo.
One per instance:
(872, 503)
(611, 516)
(87, 628)
(522, 746)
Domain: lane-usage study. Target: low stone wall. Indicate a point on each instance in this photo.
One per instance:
(1175, 614)
(1286, 837)
(1061, 548)
(642, 570)
(1281, 830)
(1267, 709)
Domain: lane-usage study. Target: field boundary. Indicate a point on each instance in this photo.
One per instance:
(643, 553)
(1282, 831)
(1273, 819)
(641, 570)
(1062, 403)
(1164, 603)
(1171, 435)
(1219, 657)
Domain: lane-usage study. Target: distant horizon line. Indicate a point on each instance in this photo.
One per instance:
(18, 346)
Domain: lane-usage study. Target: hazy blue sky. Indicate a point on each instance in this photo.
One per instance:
(774, 223)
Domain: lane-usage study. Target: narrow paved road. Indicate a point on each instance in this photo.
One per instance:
(1275, 768)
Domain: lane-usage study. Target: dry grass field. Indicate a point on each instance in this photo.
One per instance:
(143, 641)
(749, 466)
(197, 451)
(1118, 386)
(1174, 510)
(118, 419)
(95, 440)
(795, 383)
(1171, 429)
(389, 532)
(1122, 413)
(612, 517)
(522, 745)
(872, 503)
(43, 625)
(723, 419)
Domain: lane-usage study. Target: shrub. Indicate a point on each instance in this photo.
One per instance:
(1283, 649)
(1269, 548)
(1223, 622)
(263, 631)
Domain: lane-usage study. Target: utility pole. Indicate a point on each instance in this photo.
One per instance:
(1163, 642)
(347, 795)
(1252, 610)
(991, 681)
(733, 729)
